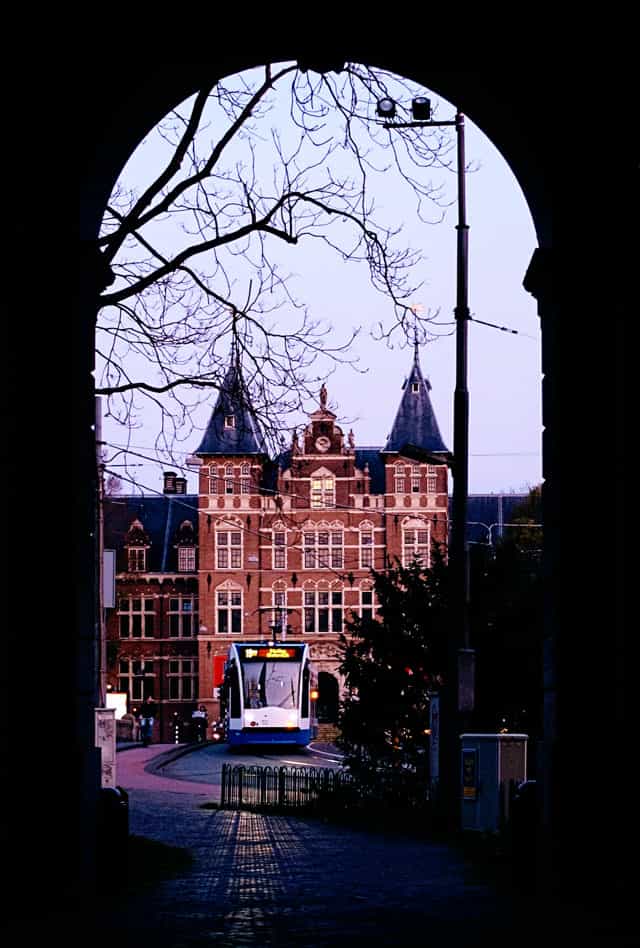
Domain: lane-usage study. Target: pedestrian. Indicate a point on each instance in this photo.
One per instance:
(199, 719)
(147, 717)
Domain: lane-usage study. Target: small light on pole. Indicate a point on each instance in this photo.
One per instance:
(386, 108)
(421, 108)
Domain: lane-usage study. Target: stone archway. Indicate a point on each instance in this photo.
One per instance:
(120, 109)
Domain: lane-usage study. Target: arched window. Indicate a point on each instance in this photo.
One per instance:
(229, 610)
(323, 547)
(228, 546)
(279, 547)
(323, 610)
(228, 479)
(245, 479)
(415, 542)
(366, 546)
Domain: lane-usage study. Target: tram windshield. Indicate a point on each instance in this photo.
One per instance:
(271, 684)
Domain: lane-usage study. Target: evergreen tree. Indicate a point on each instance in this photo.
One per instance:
(391, 663)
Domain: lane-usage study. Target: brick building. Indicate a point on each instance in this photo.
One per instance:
(269, 546)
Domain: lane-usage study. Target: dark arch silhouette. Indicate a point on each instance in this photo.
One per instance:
(538, 121)
(328, 698)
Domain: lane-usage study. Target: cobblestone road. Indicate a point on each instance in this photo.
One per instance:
(262, 880)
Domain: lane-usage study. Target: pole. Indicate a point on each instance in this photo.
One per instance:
(461, 406)
(102, 636)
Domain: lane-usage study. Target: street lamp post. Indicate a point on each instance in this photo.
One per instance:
(421, 111)
(459, 698)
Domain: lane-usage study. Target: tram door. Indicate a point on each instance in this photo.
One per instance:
(328, 692)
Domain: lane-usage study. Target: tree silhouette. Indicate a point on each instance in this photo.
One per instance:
(196, 251)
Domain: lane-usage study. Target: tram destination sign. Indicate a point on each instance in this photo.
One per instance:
(282, 653)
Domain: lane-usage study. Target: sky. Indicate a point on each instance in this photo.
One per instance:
(504, 373)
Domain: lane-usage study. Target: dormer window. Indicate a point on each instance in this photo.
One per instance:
(137, 559)
(229, 421)
(186, 559)
(322, 492)
(415, 387)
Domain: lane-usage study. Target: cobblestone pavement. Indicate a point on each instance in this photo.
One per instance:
(271, 880)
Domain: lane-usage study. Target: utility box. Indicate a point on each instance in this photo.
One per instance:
(486, 762)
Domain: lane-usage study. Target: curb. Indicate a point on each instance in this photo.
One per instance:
(156, 764)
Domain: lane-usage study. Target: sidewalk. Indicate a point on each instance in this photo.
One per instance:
(263, 880)
(272, 880)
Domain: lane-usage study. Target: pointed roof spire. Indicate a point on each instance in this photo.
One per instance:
(415, 423)
(233, 427)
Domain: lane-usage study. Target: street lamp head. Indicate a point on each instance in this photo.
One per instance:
(421, 108)
(386, 108)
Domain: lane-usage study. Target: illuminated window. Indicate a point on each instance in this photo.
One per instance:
(136, 618)
(183, 616)
(323, 492)
(229, 611)
(229, 549)
(323, 611)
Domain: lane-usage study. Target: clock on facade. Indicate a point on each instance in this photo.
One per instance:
(322, 443)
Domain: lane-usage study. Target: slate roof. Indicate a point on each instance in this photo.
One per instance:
(160, 516)
(245, 437)
(415, 423)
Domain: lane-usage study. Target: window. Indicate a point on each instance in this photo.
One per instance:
(229, 611)
(229, 549)
(399, 487)
(136, 618)
(279, 549)
(137, 557)
(323, 492)
(415, 545)
(279, 609)
(183, 617)
(323, 611)
(181, 678)
(366, 549)
(366, 603)
(323, 548)
(415, 483)
(136, 678)
(187, 559)
(245, 479)
(415, 387)
(229, 421)
(228, 479)
(432, 479)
